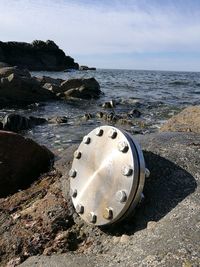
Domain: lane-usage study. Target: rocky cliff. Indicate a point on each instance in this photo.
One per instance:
(36, 56)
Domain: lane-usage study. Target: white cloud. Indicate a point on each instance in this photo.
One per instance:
(82, 29)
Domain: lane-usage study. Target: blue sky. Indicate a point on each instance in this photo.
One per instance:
(132, 34)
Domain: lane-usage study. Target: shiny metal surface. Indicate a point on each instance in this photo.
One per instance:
(107, 176)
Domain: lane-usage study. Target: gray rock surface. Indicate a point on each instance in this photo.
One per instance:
(165, 229)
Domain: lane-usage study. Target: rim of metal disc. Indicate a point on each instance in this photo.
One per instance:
(138, 176)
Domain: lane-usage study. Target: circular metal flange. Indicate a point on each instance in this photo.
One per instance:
(108, 176)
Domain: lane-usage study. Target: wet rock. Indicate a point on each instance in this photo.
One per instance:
(110, 104)
(16, 122)
(36, 121)
(187, 120)
(87, 116)
(114, 118)
(21, 162)
(81, 88)
(134, 113)
(6, 71)
(58, 120)
(36, 56)
(54, 88)
(86, 68)
(18, 88)
(49, 80)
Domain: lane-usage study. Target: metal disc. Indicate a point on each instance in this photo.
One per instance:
(107, 175)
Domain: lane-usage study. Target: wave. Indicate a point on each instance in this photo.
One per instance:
(179, 83)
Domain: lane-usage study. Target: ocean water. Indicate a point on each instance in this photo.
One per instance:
(158, 95)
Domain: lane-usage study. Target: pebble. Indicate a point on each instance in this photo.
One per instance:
(124, 238)
(116, 239)
(151, 225)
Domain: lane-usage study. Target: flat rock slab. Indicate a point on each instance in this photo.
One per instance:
(65, 260)
(165, 229)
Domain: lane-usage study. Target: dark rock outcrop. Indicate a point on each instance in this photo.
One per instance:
(21, 162)
(16, 122)
(18, 88)
(36, 56)
(81, 88)
(86, 68)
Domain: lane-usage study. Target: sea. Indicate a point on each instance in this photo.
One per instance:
(158, 95)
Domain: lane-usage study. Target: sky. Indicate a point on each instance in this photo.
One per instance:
(126, 34)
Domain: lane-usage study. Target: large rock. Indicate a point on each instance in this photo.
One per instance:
(163, 232)
(6, 71)
(36, 56)
(81, 88)
(18, 88)
(187, 120)
(21, 162)
(16, 122)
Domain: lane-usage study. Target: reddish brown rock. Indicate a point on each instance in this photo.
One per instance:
(187, 120)
(21, 162)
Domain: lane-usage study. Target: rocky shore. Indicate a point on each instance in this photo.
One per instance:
(38, 224)
(19, 88)
(35, 56)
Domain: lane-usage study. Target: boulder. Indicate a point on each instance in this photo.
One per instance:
(81, 88)
(187, 120)
(109, 104)
(52, 87)
(18, 88)
(46, 79)
(36, 56)
(21, 162)
(6, 71)
(17, 122)
(58, 120)
(134, 113)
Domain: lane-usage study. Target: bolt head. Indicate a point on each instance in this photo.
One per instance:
(112, 133)
(123, 146)
(121, 196)
(74, 193)
(108, 214)
(99, 132)
(80, 209)
(77, 154)
(92, 217)
(72, 173)
(86, 140)
(127, 170)
(147, 173)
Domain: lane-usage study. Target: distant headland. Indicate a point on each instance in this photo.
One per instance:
(36, 56)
